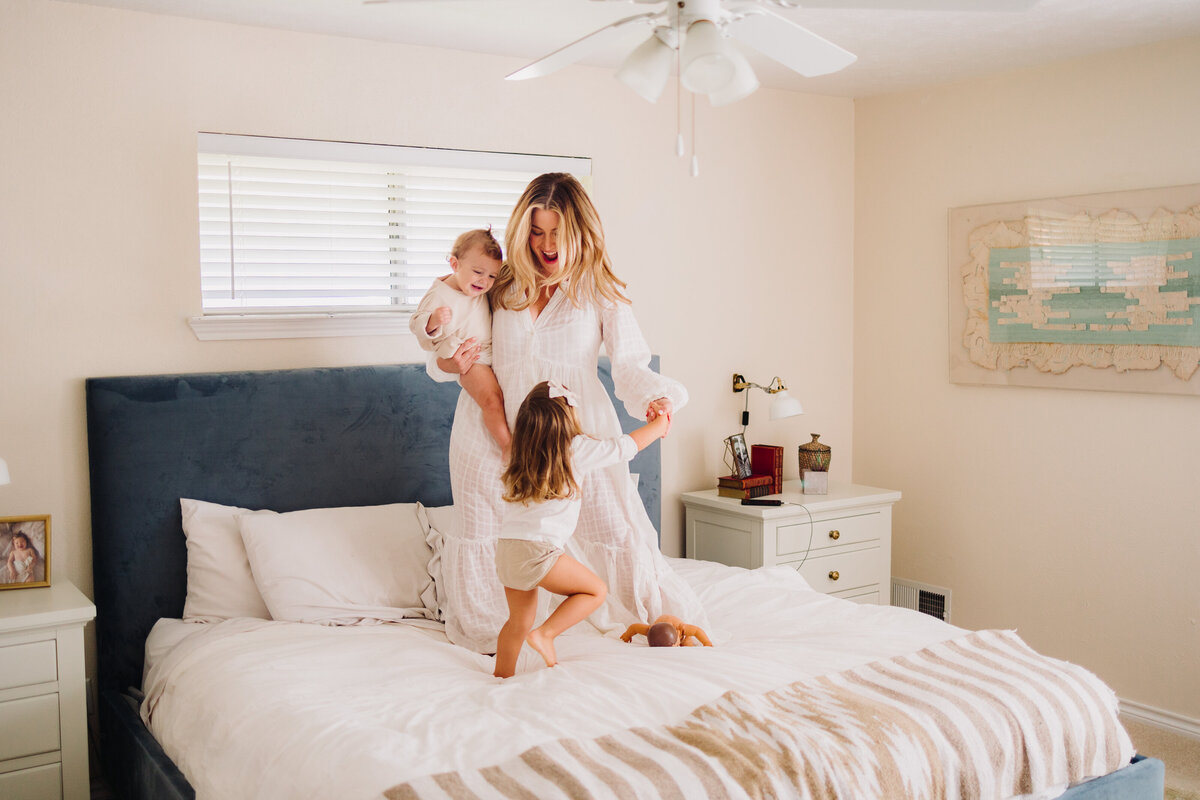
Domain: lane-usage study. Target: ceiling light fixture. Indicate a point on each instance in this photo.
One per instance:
(647, 68)
(709, 63)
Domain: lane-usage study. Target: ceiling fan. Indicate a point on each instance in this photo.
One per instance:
(697, 32)
(693, 36)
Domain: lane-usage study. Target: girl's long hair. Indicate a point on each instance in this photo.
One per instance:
(586, 272)
(540, 466)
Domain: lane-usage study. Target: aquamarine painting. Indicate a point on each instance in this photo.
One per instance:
(1086, 292)
(1101, 293)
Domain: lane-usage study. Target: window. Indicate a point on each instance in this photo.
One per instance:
(347, 237)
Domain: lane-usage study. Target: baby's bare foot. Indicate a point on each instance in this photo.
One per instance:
(544, 645)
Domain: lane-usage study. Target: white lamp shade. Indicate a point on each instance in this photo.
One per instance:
(704, 63)
(784, 405)
(647, 68)
(3, 472)
(743, 84)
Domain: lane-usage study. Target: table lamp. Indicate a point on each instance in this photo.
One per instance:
(3, 472)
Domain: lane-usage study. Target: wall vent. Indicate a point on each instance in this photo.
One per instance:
(931, 600)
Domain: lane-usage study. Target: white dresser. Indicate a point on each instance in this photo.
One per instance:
(840, 542)
(43, 708)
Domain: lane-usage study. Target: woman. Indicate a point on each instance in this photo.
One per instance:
(555, 303)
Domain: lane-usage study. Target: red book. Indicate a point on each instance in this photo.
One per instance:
(767, 459)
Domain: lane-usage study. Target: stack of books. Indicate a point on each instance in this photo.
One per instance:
(767, 459)
(745, 488)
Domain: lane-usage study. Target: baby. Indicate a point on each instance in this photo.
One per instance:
(456, 309)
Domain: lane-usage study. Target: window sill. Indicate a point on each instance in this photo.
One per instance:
(223, 327)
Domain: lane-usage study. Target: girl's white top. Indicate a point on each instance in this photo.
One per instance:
(554, 521)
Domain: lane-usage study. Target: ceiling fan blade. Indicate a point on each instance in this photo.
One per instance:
(590, 45)
(797, 48)
(916, 5)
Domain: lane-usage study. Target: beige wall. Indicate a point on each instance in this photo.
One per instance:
(98, 242)
(1071, 516)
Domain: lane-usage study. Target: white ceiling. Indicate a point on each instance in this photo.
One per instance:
(896, 49)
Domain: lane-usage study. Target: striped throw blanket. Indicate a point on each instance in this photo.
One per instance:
(981, 716)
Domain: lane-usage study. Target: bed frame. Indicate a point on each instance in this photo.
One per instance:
(284, 440)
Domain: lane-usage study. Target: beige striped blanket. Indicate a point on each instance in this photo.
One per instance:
(981, 716)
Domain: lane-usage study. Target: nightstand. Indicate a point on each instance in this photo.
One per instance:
(43, 708)
(845, 551)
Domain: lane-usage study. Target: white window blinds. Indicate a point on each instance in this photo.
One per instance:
(300, 226)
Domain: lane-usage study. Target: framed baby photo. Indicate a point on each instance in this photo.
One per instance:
(740, 454)
(24, 552)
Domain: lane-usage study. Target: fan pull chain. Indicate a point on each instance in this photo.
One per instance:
(695, 158)
(678, 93)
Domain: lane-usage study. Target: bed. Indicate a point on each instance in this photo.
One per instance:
(798, 693)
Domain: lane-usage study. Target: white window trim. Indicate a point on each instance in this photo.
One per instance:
(225, 326)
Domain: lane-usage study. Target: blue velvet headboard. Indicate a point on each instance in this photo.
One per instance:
(283, 440)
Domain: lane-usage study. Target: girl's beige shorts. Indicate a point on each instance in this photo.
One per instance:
(521, 564)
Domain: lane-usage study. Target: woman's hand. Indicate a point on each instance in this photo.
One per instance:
(660, 407)
(463, 359)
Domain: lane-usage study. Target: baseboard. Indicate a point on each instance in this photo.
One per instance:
(1168, 720)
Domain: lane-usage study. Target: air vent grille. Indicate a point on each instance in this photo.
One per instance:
(931, 600)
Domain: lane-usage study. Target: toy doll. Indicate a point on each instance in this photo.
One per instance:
(668, 631)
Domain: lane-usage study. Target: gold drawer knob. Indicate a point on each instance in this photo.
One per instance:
(834, 575)
(835, 534)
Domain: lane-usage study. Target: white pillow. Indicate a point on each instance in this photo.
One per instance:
(341, 566)
(219, 583)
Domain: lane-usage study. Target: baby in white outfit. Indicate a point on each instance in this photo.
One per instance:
(456, 309)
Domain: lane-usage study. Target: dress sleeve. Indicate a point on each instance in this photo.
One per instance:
(635, 383)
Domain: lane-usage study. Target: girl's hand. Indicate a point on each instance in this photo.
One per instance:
(660, 407)
(666, 427)
(463, 359)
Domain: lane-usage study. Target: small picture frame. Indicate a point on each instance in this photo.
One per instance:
(24, 552)
(740, 453)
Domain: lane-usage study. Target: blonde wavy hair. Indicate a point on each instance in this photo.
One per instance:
(586, 272)
(540, 466)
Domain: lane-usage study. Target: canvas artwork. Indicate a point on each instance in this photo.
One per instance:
(1090, 292)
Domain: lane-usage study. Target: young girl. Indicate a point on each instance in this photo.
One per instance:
(550, 457)
(456, 309)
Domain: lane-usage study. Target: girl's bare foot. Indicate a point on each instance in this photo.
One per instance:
(544, 645)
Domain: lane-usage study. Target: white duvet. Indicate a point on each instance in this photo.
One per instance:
(263, 709)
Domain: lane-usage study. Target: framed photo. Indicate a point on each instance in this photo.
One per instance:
(740, 454)
(24, 552)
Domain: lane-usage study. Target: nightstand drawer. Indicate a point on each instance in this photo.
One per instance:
(794, 538)
(25, 664)
(837, 572)
(35, 782)
(29, 726)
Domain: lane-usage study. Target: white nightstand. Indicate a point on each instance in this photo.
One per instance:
(43, 708)
(846, 551)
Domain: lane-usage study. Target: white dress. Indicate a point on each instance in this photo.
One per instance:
(614, 538)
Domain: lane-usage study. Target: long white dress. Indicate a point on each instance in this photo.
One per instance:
(614, 538)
